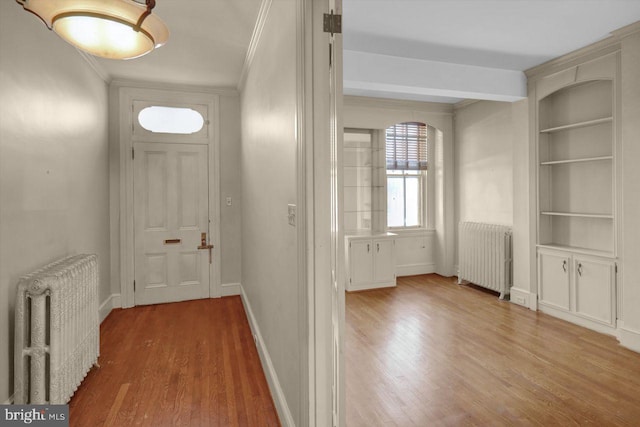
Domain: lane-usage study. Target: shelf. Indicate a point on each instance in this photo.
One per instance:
(574, 249)
(586, 159)
(578, 215)
(577, 125)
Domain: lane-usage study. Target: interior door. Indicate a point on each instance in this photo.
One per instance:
(171, 213)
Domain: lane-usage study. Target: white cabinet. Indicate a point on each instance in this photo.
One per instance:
(371, 261)
(595, 289)
(554, 279)
(577, 287)
(361, 262)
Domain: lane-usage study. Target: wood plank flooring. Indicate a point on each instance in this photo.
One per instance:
(430, 353)
(184, 364)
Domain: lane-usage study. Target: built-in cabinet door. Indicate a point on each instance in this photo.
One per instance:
(361, 262)
(594, 289)
(554, 279)
(384, 263)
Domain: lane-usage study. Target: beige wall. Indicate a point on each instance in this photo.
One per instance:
(492, 172)
(269, 183)
(54, 188)
(484, 137)
(230, 186)
(630, 117)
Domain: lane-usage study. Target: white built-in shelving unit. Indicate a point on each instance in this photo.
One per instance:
(577, 194)
(370, 250)
(576, 175)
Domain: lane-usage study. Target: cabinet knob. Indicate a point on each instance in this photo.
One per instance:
(368, 247)
(580, 269)
(564, 265)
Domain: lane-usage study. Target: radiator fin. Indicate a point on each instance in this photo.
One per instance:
(485, 256)
(57, 331)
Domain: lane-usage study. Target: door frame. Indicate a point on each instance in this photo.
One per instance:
(321, 117)
(124, 128)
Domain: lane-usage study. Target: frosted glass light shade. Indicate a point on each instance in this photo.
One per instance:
(105, 28)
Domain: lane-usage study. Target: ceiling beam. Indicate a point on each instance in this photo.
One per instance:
(375, 73)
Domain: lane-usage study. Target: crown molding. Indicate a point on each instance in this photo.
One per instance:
(626, 31)
(221, 91)
(255, 40)
(609, 45)
(397, 104)
(95, 66)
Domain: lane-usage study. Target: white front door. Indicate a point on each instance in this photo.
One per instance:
(171, 213)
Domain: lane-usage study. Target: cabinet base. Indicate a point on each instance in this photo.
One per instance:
(369, 286)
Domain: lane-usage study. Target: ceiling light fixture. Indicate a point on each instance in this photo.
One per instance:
(114, 29)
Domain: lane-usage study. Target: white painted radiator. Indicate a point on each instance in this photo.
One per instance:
(484, 256)
(57, 333)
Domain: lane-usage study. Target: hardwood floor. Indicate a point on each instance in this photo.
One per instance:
(430, 352)
(184, 364)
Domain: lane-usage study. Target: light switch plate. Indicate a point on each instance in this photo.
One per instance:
(292, 214)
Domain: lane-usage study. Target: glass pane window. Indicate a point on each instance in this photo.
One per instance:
(159, 119)
(395, 201)
(405, 198)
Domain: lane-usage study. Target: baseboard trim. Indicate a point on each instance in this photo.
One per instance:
(231, 289)
(272, 378)
(629, 338)
(414, 269)
(367, 287)
(524, 298)
(580, 321)
(113, 301)
(9, 401)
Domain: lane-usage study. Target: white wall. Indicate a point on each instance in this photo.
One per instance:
(54, 188)
(434, 249)
(269, 184)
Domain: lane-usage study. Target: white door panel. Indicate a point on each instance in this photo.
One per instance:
(171, 210)
(594, 289)
(384, 262)
(554, 280)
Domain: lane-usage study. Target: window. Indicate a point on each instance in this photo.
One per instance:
(406, 162)
(158, 119)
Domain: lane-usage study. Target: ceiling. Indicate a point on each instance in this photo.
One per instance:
(451, 42)
(207, 45)
(429, 50)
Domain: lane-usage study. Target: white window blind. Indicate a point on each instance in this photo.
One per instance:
(406, 146)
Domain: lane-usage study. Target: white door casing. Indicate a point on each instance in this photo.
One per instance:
(128, 100)
(171, 211)
(337, 221)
